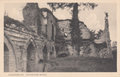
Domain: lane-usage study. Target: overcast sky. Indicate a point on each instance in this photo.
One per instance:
(94, 19)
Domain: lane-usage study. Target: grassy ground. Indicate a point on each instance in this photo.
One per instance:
(81, 64)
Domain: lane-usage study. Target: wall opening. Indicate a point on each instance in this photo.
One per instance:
(6, 58)
(30, 58)
(45, 53)
(52, 52)
(52, 33)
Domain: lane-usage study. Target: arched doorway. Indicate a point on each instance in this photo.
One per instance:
(6, 58)
(10, 64)
(31, 58)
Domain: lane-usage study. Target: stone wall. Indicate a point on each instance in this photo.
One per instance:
(65, 30)
(25, 43)
(64, 26)
(49, 24)
(31, 16)
(18, 55)
(20, 42)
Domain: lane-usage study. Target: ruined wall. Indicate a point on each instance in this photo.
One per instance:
(84, 30)
(48, 22)
(48, 29)
(64, 26)
(51, 27)
(20, 42)
(42, 21)
(25, 50)
(31, 16)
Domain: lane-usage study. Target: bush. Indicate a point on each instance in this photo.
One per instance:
(63, 54)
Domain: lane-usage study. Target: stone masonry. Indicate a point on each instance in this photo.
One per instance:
(25, 44)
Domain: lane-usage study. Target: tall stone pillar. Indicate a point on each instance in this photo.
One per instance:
(107, 37)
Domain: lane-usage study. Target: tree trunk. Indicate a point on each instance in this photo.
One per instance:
(75, 32)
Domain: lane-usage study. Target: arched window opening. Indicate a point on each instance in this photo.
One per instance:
(30, 58)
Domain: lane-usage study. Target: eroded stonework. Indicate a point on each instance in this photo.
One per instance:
(25, 44)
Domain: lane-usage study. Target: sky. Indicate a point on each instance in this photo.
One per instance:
(94, 19)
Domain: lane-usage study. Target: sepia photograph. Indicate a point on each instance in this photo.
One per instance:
(60, 37)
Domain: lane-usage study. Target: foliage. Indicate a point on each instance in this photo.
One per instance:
(99, 33)
(93, 35)
(56, 6)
